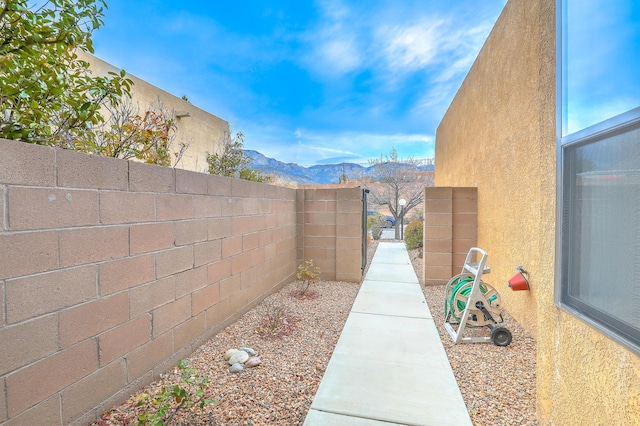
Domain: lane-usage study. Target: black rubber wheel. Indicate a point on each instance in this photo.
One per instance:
(388, 224)
(501, 336)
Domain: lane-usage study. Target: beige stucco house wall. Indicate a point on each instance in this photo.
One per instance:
(202, 130)
(498, 135)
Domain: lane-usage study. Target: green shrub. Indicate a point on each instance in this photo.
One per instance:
(413, 234)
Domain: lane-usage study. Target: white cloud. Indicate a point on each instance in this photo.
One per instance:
(410, 48)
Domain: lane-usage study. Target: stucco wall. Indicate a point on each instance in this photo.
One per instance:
(111, 271)
(203, 131)
(499, 136)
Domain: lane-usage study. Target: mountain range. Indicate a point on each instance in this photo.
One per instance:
(323, 174)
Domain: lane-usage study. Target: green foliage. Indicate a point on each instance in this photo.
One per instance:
(48, 95)
(191, 390)
(232, 161)
(375, 224)
(307, 274)
(413, 234)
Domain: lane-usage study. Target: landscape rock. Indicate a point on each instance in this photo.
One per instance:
(250, 351)
(228, 354)
(238, 357)
(253, 362)
(236, 368)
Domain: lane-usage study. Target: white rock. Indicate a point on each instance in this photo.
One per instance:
(238, 357)
(228, 354)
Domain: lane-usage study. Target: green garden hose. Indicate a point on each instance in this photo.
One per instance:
(460, 305)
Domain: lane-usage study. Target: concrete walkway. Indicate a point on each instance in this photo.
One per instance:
(389, 366)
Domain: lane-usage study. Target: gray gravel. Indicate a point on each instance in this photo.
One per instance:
(295, 338)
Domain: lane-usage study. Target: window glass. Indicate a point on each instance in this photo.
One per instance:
(600, 61)
(602, 233)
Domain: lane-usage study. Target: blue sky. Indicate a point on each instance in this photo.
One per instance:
(310, 82)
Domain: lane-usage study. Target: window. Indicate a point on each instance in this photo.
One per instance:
(599, 165)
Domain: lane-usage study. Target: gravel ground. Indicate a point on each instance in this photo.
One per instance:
(295, 338)
(498, 384)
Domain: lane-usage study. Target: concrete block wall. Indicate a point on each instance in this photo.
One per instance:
(450, 230)
(330, 231)
(111, 271)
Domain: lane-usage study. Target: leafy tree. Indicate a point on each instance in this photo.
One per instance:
(399, 179)
(232, 161)
(47, 94)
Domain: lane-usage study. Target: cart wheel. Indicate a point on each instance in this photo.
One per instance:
(501, 336)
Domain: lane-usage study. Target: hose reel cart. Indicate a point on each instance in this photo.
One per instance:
(470, 302)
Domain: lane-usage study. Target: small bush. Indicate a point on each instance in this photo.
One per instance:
(307, 274)
(413, 234)
(375, 223)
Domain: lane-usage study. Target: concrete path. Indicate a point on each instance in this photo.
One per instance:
(389, 366)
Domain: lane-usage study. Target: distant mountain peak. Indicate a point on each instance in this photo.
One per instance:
(321, 174)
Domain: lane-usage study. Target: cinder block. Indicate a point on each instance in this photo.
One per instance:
(44, 208)
(353, 207)
(147, 297)
(248, 277)
(48, 412)
(437, 259)
(465, 232)
(320, 230)
(463, 245)
(257, 256)
(265, 206)
(27, 342)
(80, 170)
(438, 205)
(191, 231)
(126, 207)
(349, 219)
(172, 261)
(348, 231)
(189, 281)
(231, 246)
(122, 274)
(266, 238)
(145, 358)
(40, 294)
(28, 253)
(437, 246)
(204, 299)
(435, 272)
(465, 219)
(218, 271)
(51, 375)
(437, 232)
(250, 242)
(465, 192)
(123, 339)
(207, 252)
(434, 192)
(87, 245)
(84, 395)
(3, 402)
(174, 207)
(232, 207)
(438, 219)
(27, 164)
(206, 206)
(2, 293)
(241, 225)
(219, 228)
(219, 185)
(188, 182)
(229, 286)
(240, 262)
(465, 205)
(89, 319)
(151, 237)
(189, 331)
(241, 188)
(151, 178)
(251, 207)
(170, 315)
